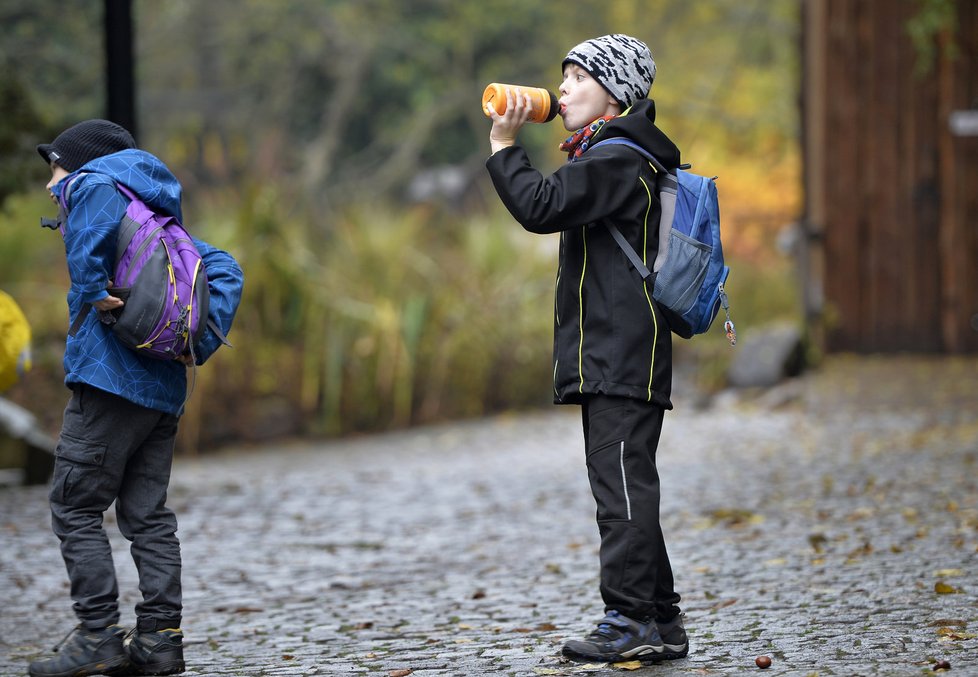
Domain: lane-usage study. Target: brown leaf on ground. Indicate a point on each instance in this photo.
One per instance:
(954, 634)
(628, 665)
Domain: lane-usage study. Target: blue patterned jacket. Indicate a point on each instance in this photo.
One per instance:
(95, 209)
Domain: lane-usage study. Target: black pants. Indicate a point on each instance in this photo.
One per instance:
(620, 440)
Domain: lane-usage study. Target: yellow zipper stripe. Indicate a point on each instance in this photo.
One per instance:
(655, 322)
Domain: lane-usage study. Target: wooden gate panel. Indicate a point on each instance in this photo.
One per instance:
(894, 194)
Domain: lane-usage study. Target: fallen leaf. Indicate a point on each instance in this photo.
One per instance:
(734, 517)
(949, 573)
(951, 633)
(400, 673)
(288, 657)
(865, 549)
(723, 604)
(546, 627)
(628, 665)
(942, 588)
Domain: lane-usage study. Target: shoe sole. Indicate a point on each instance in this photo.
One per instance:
(96, 668)
(650, 654)
(167, 668)
(671, 652)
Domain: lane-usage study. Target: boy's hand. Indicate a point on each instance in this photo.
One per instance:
(108, 303)
(505, 127)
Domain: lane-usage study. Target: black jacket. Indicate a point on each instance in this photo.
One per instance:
(609, 335)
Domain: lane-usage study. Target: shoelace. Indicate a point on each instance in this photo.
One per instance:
(71, 632)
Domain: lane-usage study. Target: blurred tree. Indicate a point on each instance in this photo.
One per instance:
(350, 98)
(21, 166)
(56, 50)
(295, 128)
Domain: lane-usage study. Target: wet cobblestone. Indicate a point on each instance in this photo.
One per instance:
(813, 524)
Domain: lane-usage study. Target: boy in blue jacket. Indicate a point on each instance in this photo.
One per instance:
(117, 438)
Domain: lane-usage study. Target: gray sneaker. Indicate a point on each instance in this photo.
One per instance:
(674, 640)
(617, 638)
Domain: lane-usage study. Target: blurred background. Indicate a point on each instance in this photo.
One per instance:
(336, 148)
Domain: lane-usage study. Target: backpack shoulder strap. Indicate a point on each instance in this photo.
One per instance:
(666, 186)
(62, 218)
(86, 308)
(621, 141)
(629, 251)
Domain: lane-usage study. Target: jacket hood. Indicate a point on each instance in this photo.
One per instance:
(145, 175)
(638, 124)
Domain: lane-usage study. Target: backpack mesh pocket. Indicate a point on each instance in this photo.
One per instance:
(678, 283)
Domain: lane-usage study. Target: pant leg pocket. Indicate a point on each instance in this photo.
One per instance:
(77, 470)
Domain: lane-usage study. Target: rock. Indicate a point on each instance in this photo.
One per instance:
(20, 434)
(767, 356)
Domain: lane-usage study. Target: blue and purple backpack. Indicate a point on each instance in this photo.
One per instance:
(160, 276)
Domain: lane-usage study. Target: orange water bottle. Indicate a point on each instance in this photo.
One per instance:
(543, 103)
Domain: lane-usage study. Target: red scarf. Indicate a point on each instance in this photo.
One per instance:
(578, 142)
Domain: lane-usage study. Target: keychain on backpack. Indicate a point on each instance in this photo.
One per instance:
(728, 326)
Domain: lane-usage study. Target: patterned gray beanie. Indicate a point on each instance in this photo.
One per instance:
(623, 65)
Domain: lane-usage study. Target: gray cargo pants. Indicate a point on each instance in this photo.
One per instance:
(111, 449)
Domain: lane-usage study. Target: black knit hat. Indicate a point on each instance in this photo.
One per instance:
(80, 144)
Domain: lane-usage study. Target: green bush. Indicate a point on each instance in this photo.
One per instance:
(370, 319)
(378, 318)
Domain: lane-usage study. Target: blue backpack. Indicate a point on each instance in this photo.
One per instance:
(689, 271)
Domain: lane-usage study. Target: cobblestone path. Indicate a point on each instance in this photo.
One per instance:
(830, 524)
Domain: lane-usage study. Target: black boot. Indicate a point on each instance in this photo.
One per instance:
(155, 653)
(85, 652)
